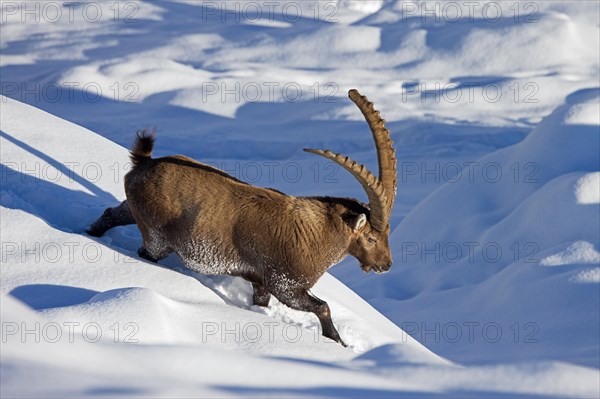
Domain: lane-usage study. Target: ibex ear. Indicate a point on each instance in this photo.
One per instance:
(359, 222)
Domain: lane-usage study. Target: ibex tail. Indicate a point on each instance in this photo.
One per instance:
(142, 148)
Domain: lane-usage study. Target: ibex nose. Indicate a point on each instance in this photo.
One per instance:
(383, 268)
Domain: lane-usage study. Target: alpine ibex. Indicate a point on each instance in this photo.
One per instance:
(281, 244)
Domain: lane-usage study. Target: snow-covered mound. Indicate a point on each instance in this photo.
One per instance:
(512, 243)
(245, 86)
(108, 323)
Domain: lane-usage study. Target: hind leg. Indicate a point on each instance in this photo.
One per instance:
(261, 295)
(112, 217)
(153, 253)
(154, 247)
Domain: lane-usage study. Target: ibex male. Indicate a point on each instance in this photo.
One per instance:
(282, 244)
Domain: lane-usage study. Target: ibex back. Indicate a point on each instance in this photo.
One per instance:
(282, 244)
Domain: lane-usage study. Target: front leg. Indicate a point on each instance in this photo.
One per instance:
(301, 299)
(261, 295)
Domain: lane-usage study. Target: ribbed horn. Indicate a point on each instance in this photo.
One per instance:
(382, 191)
(372, 186)
(386, 154)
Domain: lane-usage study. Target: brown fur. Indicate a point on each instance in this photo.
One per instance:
(220, 225)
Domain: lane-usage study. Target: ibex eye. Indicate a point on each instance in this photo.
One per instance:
(372, 240)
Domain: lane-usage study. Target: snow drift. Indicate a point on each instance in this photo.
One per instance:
(108, 323)
(480, 247)
(496, 220)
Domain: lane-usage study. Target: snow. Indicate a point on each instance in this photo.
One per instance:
(587, 189)
(495, 286)
(580, 252)
(492, 242)
(98, 289)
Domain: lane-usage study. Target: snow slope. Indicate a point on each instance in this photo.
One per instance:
(108, 323)
(518, 253)
(468, 89)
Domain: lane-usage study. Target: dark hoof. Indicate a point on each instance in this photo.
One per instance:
(262, 300)
(146, 255)
(261, 296)
(261, 303)
(336, 337)
(94, 232)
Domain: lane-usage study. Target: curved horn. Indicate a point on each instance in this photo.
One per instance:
(382, 191)
(373, 187)
(386, 154)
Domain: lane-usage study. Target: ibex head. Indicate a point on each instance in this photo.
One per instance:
(370, 232)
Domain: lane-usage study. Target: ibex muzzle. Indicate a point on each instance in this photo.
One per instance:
(281, 244)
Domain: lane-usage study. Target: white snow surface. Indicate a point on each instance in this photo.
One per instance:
(495, 286)
(108, 323)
